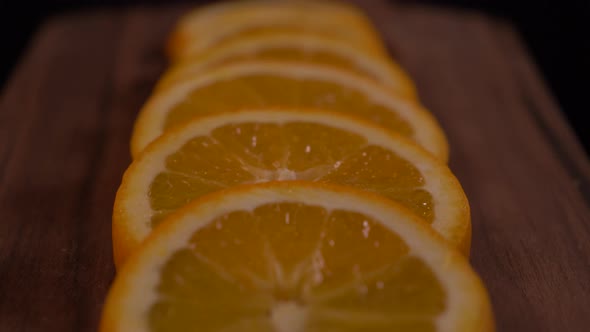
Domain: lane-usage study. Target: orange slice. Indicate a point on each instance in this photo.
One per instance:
(219, 24)
(248, 85)
(224, 150)
(301, 48)
(296, 257)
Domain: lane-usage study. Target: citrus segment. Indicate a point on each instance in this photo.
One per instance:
(250, 85)
(296, 257)
(224, 150)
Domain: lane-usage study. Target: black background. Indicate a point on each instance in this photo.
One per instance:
(557, 34)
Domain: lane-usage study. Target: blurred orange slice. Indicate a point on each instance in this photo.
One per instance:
(301, 48)
(219, 24)
(255, 84)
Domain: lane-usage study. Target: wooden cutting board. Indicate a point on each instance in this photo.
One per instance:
(66, 118)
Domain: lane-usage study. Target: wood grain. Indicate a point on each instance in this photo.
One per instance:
(66, 117)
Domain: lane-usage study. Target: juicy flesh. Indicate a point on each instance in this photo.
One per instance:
(288, 267)
(252, 91)
(255, 152)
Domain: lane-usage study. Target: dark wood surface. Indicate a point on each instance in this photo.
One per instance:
(65, 123)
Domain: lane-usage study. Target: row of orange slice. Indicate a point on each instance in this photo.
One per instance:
(286, 178)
